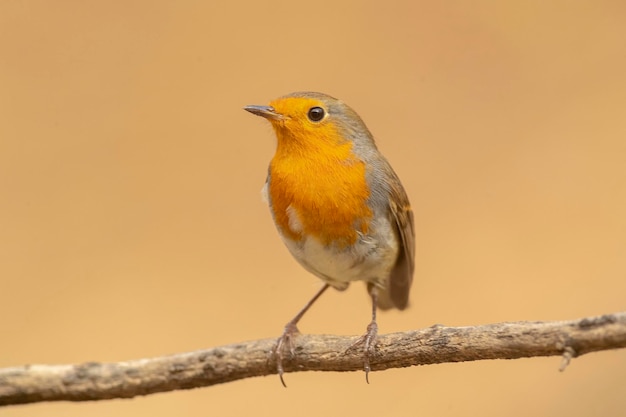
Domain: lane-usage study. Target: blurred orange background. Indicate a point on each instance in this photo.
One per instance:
(132, 225)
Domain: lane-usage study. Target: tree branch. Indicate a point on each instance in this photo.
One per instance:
(437, 344)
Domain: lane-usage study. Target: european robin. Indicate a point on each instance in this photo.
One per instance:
(338, 206)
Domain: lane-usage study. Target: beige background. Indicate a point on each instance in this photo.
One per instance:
(131, 223)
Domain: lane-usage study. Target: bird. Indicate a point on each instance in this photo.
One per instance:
(339, 207)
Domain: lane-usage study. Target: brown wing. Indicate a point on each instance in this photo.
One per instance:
(402, 272)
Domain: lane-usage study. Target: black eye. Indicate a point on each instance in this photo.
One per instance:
(316, 114)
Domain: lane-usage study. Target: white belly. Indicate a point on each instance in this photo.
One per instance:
(370, 259)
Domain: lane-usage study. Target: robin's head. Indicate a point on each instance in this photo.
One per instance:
(308, 120)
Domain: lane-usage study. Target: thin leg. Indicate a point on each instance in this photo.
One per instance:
(285, 341)
(369, 338)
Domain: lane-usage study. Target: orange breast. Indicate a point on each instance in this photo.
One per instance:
(324, 184)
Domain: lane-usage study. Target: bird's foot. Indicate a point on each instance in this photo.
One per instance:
(284, 345)
(368, 341)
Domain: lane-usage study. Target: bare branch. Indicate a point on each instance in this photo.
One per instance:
(437, 344)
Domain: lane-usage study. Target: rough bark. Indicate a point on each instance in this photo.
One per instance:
(437, 344)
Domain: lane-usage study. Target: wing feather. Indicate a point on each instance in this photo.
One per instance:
(402, 273)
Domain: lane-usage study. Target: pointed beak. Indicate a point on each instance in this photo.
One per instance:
(264, 111)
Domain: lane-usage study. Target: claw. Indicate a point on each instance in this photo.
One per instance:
(285, 341)
(368, 340)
